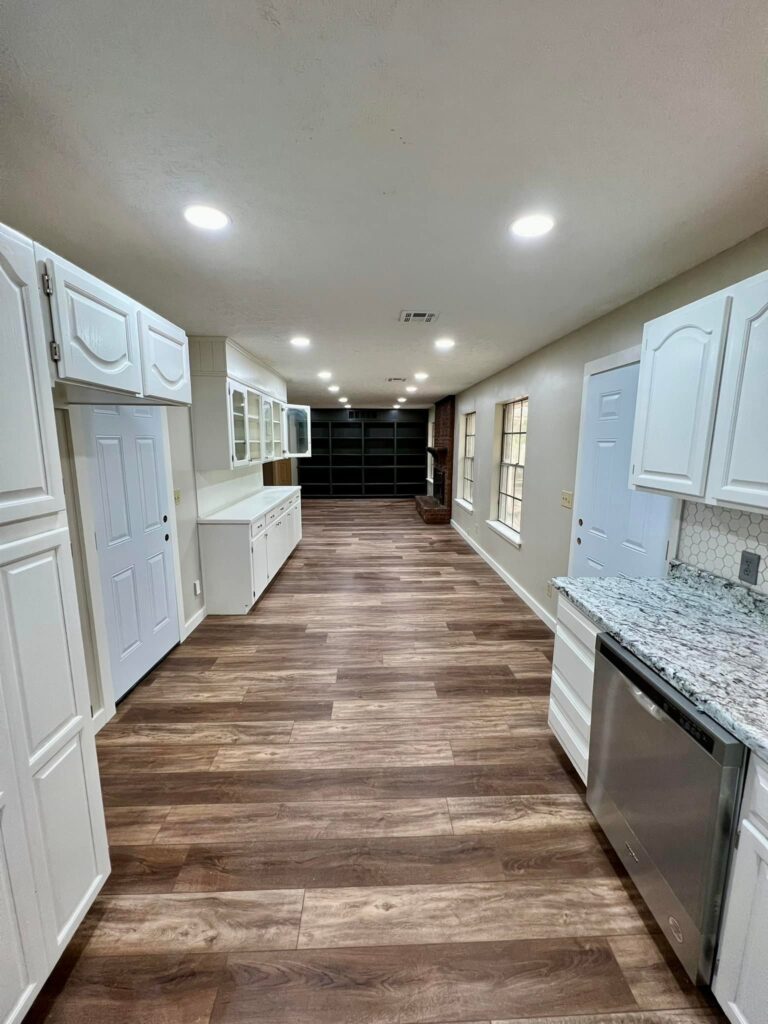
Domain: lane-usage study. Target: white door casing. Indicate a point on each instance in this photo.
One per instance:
(42, 669)
(133, 532)
(30, 479)
(164, 359)
(739, 464)
(677, 393)
(95, 326)
(617, 531)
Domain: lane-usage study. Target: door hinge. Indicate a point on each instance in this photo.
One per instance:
(47, 285)
(736, 840)
(55, 351)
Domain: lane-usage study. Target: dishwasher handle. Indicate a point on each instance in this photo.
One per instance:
(646, 703)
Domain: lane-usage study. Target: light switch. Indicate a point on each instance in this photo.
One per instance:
(566, 499)
(177, 497)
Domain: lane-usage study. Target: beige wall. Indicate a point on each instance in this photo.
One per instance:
(183, 475)
(553, 378)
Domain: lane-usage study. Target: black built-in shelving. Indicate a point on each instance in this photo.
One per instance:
(366, 453)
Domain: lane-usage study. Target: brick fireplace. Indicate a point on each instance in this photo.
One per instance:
(436, 507)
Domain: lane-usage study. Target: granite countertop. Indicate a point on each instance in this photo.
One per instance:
(704, 635)
(252, 507)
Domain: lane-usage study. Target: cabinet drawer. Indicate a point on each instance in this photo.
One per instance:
(571, 706)
(257, 526)
(574, 665)
(579, 625)
(756, 796)
(575, 746)
(276, 512)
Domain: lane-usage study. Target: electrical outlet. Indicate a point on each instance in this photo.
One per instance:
(566, 499)
(749, 567)
(197, 588)
(550, 591)
(177, 497)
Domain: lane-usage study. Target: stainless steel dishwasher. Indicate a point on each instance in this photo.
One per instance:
(664, 783)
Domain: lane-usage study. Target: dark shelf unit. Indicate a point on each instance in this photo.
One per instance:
(366, 453)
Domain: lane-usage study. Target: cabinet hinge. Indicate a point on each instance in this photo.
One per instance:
(55, 351)
(47, 285)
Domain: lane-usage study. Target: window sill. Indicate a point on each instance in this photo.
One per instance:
(464, 504)
(511, 536)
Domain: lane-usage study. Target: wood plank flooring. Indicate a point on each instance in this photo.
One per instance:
(346, 808)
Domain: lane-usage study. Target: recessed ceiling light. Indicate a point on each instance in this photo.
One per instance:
(395, 406)
(207, 217)
(444, 343)
(420, 375)
(411, 388)
(344, 399)
(333, 387)
(300, 342)
(347, 406)
(325, 375)
(532, 225)
(402, 399)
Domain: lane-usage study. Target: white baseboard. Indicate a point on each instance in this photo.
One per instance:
(193, 623)
(546, 617)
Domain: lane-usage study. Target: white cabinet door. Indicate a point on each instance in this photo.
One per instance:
(741, 982)
(739, 466)
(676, 397)
(237, 425)
(253, 425)
(298, 438)
(43, 675)
(95, 327)
(30, 477)
(275, 534)
(23, 961)
(164, 359)
(259, 572)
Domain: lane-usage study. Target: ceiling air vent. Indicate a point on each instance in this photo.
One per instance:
(411, 316)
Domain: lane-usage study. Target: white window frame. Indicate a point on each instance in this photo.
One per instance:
(511, 469)
(468, 457)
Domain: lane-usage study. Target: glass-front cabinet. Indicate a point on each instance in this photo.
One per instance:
(268, 429)
(277, 430)
(239, 433)
(253, 426)
(298, 437)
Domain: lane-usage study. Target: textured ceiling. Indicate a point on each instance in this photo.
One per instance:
(371, 154)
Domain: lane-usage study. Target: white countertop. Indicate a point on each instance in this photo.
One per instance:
(253, 507)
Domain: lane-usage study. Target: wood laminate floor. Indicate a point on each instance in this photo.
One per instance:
(346, 808)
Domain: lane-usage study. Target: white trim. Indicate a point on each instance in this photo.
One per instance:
(614, 361)
(546, 617)
(465, 505)
(171, 502)
(509, 535)
(191, 624)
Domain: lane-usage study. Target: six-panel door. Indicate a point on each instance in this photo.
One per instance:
(739, 465)
(42, 668)
(95, 326)
(164, 359)
(30, 476)
(676, 397)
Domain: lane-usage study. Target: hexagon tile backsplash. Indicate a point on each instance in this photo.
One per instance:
(713, 538)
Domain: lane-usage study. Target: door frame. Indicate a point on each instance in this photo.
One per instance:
(82, 518)
(614, 361)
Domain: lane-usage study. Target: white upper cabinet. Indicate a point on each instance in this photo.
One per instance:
(94, 326)
(298, 438)
(239, 432)
(164, 359)
(30, 476)
(739, 467)
(677, 394)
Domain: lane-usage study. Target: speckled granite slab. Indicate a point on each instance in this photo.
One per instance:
(704, 635)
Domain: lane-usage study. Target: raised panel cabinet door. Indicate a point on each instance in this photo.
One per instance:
(95, 327)
(739, 467)
(23, 961)
(164, 359)
(30, 474)
(677, 395)
(259, 573)
(741, 981)
(43, 674)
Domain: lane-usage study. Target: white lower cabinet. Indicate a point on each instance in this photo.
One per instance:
(241, 556)
(573, 670)
(741, 979)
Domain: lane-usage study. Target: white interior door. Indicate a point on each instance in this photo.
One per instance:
(133, 535)
(616, 531)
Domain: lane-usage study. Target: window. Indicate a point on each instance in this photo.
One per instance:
(468, 459)
(514, 432)
(430, 444)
